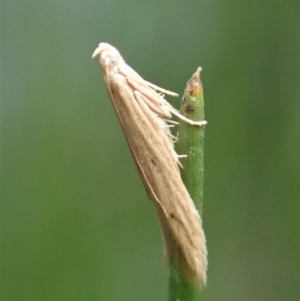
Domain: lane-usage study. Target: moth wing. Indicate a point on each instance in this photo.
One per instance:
(159, 172)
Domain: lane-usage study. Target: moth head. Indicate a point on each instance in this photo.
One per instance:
(109, 56)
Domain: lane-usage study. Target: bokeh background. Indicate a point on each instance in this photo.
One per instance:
(76, 222)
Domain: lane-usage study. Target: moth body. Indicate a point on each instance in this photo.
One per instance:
(143, 114)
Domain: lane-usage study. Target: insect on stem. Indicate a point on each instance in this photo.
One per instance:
(144, 117)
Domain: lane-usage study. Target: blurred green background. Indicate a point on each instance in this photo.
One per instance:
(76, 222)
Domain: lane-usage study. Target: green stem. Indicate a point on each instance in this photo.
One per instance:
(190, 143)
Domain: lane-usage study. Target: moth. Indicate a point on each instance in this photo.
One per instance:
(144, 115)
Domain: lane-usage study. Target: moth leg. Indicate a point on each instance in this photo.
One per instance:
(155, 107)
(159, 101)
(175, 139)
(187, 120)
(140, 80)
(170, 126)
(144, 89)
(160, 127)
(151, 96)
(171, 121)
(156, 88)
(160, 122)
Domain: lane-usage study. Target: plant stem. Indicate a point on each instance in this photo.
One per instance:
(190, 143)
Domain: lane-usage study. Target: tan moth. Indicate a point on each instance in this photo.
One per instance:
(144, 116)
